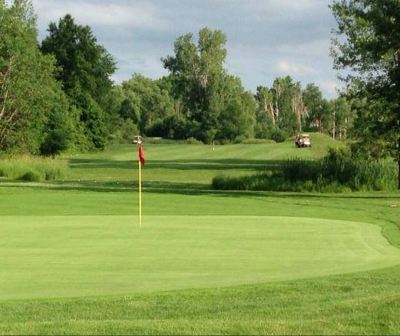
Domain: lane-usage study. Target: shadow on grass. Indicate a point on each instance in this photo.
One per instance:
(163, 187)
(120, 186)
(224, 164)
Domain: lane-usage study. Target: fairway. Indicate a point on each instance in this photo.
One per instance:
(70, 256)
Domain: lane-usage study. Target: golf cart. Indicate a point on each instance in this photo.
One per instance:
(303, 140)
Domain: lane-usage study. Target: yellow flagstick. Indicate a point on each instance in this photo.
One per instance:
(138, 141)
(140, 193)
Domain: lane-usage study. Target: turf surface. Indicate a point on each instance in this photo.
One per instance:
(73, 260)
(92, 255)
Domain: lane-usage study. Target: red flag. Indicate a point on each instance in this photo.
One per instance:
(141, 154)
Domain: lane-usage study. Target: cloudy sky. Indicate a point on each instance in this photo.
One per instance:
(266, 38)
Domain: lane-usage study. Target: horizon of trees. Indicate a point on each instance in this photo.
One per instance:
(57, 94)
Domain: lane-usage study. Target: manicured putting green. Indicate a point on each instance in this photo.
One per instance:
(92, 255)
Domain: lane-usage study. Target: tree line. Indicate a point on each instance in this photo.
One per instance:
(57, 94)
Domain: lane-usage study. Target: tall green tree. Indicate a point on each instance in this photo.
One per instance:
(29, 93)
(265, 113)
(319, 113)
(235, 109)
(284, 89)
(145, 102)
(312, 96)
(205, 89)
(342, 117)
(368, 45)
(85, 68)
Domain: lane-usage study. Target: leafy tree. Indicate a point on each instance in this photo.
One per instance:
(314, 102)
(125, 131)
(61, 130)
(210, 98)
(145, 102)
(236, 110)
(85, 70)
(342, 117)
(29, 94)
(265, 113)
(368, 45)
(284, 90)
(281, 110)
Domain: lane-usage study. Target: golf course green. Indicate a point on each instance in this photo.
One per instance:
(73, 259)
(94, 255)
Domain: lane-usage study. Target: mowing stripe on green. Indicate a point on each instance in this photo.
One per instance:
(63, 256)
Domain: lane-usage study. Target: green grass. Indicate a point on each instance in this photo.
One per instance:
(74, 261)
(94, 255)
(32, 169)
(362, 303)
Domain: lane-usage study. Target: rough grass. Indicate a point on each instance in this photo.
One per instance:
(338, 171)
(33, 169)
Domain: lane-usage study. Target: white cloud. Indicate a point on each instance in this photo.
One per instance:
(146, 63)
(329, 87)
(135, 14)
(288, 68)
(278, 10)
(295, 5)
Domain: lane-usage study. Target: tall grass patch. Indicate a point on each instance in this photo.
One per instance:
(33, 169)
(337, 172)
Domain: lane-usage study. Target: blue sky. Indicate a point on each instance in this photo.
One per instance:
(266, 38)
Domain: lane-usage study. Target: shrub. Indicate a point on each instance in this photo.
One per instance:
(31, 176)
(193, 141)
(299, 170)
(257, 141)
(55, 142)
(278, 135)
(239, 139)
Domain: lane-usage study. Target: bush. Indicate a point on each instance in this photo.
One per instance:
(300, 170)
(193, 141)
(31, 176)
(257, 141)
(239, 139)
(55, 142)
(278, 135)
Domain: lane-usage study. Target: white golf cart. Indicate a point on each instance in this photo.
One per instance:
(303, 140)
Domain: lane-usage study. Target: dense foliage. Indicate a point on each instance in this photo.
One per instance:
(30, 97)
(214, 102)
(368, 44)
(85, 70)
